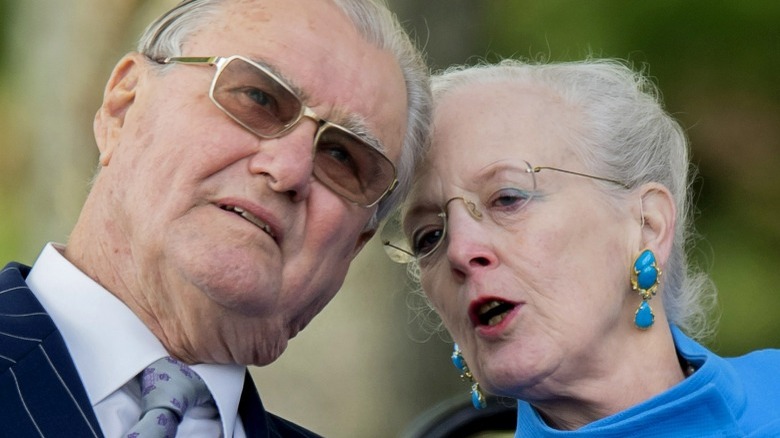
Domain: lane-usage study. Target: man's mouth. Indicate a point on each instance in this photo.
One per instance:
(250, 217)
(491, 313)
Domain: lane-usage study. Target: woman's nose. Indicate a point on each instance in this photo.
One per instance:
(469, 242)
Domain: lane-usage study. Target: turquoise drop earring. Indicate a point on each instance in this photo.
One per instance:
(477, 398)
(644, 279)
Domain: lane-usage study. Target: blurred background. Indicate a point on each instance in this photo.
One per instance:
(366, 366)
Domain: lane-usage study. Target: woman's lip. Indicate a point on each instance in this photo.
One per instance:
(494, 331)
(485, 321)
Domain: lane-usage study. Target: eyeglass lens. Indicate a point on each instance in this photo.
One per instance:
(417, 234)
(342, 161)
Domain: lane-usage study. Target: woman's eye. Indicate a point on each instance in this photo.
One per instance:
(509, 198)
(426, 240)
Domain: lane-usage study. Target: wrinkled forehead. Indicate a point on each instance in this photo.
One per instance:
(476, 124)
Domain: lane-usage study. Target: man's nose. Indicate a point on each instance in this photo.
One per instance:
(288, 160)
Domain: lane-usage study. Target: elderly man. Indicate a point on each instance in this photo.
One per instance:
(247, 152)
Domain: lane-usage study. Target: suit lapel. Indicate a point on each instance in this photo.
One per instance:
(251, 410)
(41, 393)
(258, 423)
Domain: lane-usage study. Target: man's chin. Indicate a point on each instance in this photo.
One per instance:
(266, 354)
(247, 294)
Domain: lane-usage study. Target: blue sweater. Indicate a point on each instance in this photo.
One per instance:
(735, 397)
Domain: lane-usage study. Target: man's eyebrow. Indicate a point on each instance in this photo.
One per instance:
(356, 124)
(352, 122)
(287, 81)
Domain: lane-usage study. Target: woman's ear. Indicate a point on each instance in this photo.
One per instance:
(658, 217)
(118, 97)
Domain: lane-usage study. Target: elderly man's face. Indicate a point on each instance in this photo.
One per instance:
(223, 288)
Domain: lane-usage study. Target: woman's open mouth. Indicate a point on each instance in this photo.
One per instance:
(490, 312)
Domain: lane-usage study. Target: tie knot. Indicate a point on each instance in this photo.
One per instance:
(168, 389)
(170, 384)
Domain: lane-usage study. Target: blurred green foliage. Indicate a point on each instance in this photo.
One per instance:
(11, 154)
(5, 37)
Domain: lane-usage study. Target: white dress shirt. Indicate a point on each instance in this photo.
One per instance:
(110, 346)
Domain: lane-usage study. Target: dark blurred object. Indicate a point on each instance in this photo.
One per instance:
(457, 417)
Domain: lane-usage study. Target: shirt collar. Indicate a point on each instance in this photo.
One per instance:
(109, 344)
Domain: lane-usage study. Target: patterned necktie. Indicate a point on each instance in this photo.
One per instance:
(168, 389)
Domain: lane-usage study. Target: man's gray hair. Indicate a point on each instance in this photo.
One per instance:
(166, 36)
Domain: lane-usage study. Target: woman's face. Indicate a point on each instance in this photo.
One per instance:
(536, 297)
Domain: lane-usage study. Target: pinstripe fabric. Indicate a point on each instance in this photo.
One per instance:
(41, 394)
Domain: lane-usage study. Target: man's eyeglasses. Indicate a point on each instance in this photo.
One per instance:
(415, 235)
(263, 104)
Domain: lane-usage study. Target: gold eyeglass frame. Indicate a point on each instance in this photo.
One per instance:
(221, 62)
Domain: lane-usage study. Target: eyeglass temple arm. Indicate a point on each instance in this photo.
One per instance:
(192, 59)
(398, 248)
(536, 169)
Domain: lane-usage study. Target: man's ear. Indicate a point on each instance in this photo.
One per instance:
(363, 238)
(658, 217)
(118, 96)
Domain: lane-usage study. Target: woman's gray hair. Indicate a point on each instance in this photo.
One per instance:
(166, 36)
(626, 136)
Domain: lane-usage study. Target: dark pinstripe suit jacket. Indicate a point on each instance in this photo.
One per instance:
(41, 394)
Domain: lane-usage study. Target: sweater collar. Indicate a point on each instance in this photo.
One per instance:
(707, 401)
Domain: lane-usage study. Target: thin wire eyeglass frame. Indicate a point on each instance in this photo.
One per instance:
(403, 256)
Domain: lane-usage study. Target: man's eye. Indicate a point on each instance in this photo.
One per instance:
(336, 152)
(337, 158)
(260, 98)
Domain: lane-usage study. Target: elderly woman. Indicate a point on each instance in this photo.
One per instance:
(548, 229)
